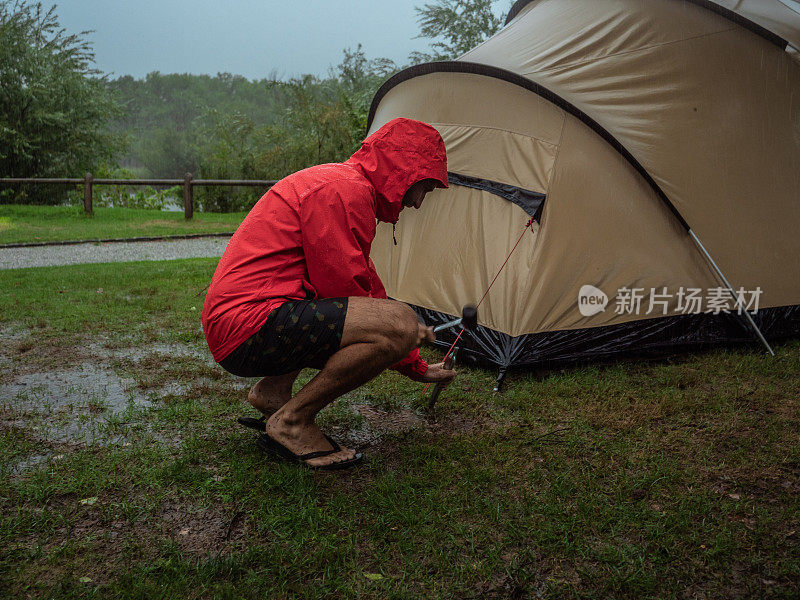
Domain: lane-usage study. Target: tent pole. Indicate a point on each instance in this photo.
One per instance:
(500, 377)
(749, 318)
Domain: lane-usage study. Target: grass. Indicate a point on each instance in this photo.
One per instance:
(26, 224)
(676, 479)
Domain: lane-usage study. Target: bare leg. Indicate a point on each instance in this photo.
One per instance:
(269, 394)
(377, 333)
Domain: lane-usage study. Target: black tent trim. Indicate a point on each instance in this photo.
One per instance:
(511, 77)
(643, 338)
(531, 202)
(735, 17)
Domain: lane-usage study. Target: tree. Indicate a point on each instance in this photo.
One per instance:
(462, 24)
(167, 115)
(316, 121)
(358, 79)
(54, 106)
(319, 124)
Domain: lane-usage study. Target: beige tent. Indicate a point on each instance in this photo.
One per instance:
(656, 143)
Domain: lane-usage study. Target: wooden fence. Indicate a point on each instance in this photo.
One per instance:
(188, 183)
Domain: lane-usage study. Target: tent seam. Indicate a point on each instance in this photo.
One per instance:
(557, 156)
(531, 137)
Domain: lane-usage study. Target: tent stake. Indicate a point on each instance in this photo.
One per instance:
(500, 377)
(744, 312)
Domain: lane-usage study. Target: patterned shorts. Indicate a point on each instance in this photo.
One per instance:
(297, 334)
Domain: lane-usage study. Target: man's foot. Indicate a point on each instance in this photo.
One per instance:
(271, 393)
(307, 438)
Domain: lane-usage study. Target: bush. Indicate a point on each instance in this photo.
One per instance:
(126, 197)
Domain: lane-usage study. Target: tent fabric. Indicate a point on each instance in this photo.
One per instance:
(461, 153)
(470, 145)
(637, 121)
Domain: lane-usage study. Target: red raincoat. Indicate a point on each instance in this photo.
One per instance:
(310, 235)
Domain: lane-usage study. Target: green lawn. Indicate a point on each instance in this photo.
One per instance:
(678, 479)
(24, 224)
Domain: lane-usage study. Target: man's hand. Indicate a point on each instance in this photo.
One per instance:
(438, 374)
(424, 334)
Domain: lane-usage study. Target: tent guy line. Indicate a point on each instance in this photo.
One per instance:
(528, 225)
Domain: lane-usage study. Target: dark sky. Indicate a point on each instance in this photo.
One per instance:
(254, 38)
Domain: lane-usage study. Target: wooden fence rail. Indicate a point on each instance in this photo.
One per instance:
(188, 183)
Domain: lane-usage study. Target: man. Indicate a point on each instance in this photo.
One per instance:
(296, 288)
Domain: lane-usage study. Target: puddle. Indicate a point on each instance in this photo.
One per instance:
(90, 404)
(167, 350)
(28, 462)
(13, 332)
(71, 406)
(85, 402)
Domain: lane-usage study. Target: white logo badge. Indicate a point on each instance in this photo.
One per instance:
(591, 301)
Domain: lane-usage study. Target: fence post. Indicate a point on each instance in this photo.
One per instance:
(87, 193)
(188, 200)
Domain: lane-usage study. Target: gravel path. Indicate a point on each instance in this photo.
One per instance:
(51, 256)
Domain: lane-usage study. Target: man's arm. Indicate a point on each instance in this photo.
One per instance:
(338, 226)
(412, 366)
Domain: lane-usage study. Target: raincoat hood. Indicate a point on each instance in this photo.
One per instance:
(395, 157)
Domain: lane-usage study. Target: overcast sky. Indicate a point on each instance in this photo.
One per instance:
(254, 38)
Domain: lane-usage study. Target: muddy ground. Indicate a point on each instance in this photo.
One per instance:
(101, 392)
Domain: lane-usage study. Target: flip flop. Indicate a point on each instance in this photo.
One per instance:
(268, 444)
(259, 424)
